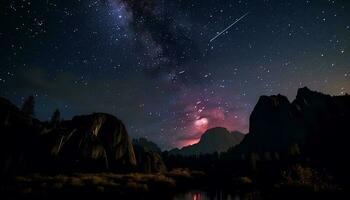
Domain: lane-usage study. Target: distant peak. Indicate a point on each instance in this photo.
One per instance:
(216, 139)
(214, 131)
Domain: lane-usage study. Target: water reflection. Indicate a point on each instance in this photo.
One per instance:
(196, 196)
(204, 195)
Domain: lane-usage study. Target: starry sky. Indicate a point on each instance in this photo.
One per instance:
(151, 62)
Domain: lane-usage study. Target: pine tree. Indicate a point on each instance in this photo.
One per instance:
(28, 106)
(56, 117)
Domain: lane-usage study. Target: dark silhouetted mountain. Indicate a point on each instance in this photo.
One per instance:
(274, 125)
(314, 123)
(213, 140)
(326, 120)
(96, 141)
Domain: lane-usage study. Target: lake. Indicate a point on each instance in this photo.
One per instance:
(215, 195)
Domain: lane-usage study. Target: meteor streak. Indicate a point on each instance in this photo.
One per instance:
(237, 20)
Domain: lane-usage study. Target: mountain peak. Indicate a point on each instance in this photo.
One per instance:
(216, 139)
(214, 132)
(274, 118)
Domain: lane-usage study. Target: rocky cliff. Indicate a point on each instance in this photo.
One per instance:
(92, 142)
(314, 125)
(97, 140)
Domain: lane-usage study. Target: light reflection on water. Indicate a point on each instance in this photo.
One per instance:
(202, 195)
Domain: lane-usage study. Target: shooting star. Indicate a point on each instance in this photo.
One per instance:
(237, 20)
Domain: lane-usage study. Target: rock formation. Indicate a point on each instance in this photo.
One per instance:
(314, 125)
(148, 156)
(92, 142)
(97, 140)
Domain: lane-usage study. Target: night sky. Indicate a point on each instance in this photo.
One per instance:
(150, 62)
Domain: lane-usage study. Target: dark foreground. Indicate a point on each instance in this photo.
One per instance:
(175, 185)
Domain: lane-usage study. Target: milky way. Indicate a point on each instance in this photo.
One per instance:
(149, 62)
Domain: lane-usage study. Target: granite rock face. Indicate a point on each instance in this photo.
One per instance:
(315, 125)
(97, 139)
(274, 125)
(91, 142)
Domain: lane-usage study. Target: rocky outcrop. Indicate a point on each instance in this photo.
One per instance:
(98, 140)
(314, 125)
(274, 125)
(213, 140)
(91, 142)
(148, 156)
(326, 120)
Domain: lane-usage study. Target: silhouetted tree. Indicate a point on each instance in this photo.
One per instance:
(56, 117)
(28, 106)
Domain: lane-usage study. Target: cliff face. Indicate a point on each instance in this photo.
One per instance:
(274, 125)
(92, 142)
(314, 123)
(326, 120)
(213, 140)
(99, 139)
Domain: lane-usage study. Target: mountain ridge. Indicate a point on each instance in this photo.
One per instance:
(216, 139)
(313, 124)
